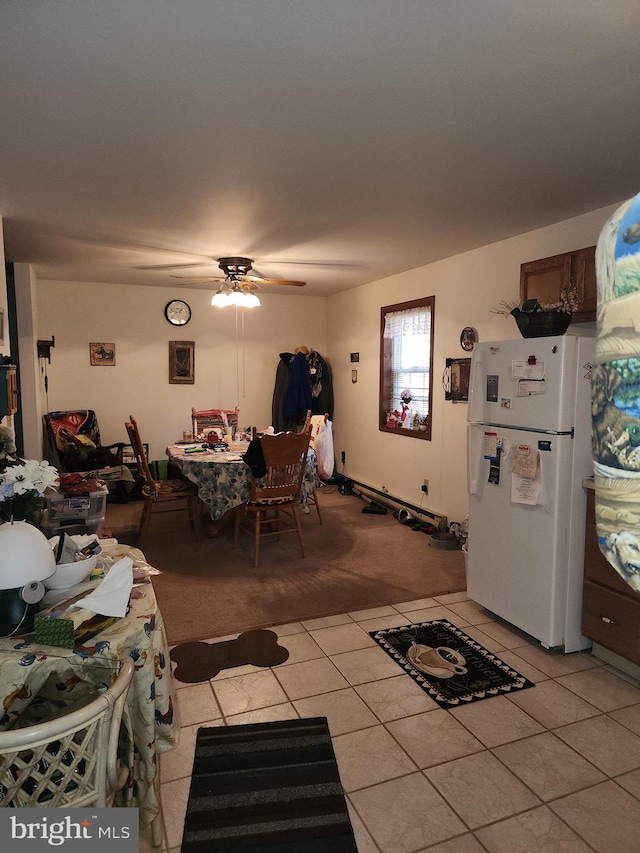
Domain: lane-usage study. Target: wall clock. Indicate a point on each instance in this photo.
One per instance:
(177, 312)
(468, 338)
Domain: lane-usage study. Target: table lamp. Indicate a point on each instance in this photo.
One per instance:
(26, 559)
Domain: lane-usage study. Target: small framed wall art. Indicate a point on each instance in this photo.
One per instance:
(182, 362)
(102, 354)
(455, 379)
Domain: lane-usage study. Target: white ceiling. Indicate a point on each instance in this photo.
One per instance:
(336, 141)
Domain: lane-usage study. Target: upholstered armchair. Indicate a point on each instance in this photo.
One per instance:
(72, 443)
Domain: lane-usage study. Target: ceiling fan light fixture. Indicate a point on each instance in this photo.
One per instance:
(220, 299)
(251, 300)
(236, 297)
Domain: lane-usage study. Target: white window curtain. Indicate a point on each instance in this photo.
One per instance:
(409, 332)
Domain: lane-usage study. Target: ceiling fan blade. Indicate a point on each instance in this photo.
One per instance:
(262, 279)
(279, 281)
(192, 279)
(347, 265)
(188, 265)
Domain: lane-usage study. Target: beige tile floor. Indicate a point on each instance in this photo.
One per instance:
(553, 768)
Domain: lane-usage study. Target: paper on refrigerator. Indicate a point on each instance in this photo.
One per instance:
(525, 475)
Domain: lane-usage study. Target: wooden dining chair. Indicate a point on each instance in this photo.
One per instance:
(160, 496)
(71, 759)
(273, 504)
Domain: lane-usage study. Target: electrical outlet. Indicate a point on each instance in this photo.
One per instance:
(343, 457)
(425, 487)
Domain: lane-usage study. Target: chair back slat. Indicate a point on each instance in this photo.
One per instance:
(150, 485)
(173, 495)
(285, 457)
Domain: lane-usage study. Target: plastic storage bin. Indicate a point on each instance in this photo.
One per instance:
(73, 526)
(86, 507)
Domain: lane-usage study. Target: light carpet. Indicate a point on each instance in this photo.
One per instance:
(354, 561)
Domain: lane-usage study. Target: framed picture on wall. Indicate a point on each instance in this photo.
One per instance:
(182, 362)
(455, 379)
(1, 326)
(102, 354)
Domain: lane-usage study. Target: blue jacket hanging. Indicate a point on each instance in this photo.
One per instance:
(297, 401)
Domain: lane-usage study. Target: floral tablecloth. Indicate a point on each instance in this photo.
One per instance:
(32, 674)
(224, 479)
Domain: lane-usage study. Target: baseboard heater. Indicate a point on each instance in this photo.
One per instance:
(392, 502)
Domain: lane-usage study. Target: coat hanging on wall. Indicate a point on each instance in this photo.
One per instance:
(297, 399)
(303, 381)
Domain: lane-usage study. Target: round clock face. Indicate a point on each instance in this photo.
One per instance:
(177, 312)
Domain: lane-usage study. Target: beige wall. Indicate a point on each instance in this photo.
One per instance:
(466, 287)
(133, 319)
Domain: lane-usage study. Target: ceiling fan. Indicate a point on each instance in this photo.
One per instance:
(237, 287)
(236, 273)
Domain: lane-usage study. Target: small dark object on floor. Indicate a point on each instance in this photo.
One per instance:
(267, 788)
(427, 528)
(201, 661)
(374, 509)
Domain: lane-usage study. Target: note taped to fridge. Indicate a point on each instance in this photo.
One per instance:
(490, 445)
(525, 490)
(525, 461)
(526, 370)
(529, 387)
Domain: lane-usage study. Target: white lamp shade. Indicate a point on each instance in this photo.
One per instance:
(220, 299)
(25, 555)
(251, 300)
(236, 297)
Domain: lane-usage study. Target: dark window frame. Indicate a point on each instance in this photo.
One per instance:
(385, 394)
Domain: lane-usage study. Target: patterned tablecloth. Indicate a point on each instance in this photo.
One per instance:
(224, 479)
(33, 676)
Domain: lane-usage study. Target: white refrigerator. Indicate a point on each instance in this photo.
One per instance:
(528, 452)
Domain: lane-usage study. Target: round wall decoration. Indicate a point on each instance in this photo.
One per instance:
(468, 338)
(177, 312)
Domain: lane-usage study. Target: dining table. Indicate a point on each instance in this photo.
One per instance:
(36, 679)
(223, 477)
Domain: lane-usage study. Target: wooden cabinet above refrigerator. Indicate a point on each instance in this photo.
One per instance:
(546, 278)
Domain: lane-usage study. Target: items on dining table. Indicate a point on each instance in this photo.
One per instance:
(76, 558)
(70, 622)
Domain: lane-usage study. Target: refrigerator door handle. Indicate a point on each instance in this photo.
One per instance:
(472, 475)
(475, 404)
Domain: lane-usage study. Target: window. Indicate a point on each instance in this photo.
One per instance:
(406, 357)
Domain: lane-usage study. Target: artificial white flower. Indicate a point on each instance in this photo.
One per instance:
(22, 487)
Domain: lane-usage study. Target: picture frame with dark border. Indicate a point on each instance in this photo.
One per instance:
(102, 354)
(456, 379)
(182, 362)
(1, 326)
